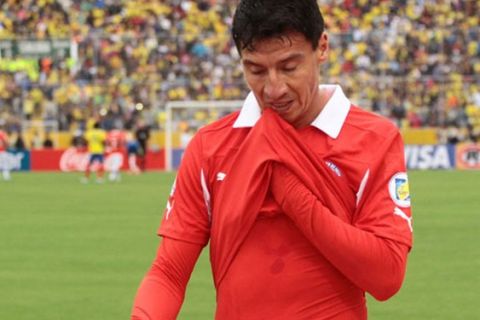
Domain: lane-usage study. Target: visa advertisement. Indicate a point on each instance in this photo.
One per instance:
(427, 157)
(465, 156)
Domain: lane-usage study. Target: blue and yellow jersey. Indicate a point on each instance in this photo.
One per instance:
(96, 140)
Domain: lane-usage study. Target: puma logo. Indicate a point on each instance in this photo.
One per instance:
(221, 176)
(404, 216)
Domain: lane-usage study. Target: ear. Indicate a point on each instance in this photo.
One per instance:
(322, 48)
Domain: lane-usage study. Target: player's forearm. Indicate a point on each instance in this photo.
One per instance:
(162, 291)
(155, 300)
(374, 264)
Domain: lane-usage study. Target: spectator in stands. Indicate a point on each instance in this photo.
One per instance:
(158, 50)
(48, 142)
(79, 141)
(36, 140)
(19, 144)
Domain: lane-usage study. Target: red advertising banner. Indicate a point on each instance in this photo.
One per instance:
(45, 160)
(73, 159)
(155, 160)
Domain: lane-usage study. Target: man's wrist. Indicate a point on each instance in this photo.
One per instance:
(285, 186)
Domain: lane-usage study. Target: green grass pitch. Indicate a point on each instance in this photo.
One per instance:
(73, 251)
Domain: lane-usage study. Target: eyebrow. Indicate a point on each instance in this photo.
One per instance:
(294, 56)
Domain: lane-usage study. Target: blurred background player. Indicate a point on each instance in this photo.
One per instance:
(96, 138)
(142, 134)
(132, 151)
(4, 166)
(48, 141)
(115, 147)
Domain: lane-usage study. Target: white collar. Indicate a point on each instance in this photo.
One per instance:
(330, 120)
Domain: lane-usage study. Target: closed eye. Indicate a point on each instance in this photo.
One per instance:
(253, 68)
(256, 71)
(289, 69)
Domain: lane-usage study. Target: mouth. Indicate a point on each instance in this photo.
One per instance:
(281, 107)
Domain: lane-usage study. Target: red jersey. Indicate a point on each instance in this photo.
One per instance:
(116, 140)
(3, 141)
(278, 271)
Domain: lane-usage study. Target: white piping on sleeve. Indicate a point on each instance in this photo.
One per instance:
(206, 194)
(362, 186)
(170, 204)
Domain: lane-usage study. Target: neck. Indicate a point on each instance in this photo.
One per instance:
(319, 102)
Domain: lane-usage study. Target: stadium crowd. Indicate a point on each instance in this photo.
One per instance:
(416, 62)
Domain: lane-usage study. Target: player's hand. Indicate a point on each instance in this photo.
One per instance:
(287, 189)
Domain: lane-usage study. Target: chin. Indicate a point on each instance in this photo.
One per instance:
(288, 119)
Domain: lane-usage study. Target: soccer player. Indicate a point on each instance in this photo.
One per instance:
(142, 134)
(132, 151)
(4, 165)
(115, 147)
(303, 196)
(96, 138)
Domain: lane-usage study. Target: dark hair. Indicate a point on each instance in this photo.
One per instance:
(261, 19)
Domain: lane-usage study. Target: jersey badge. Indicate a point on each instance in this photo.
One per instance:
(334, 168)
(399, 189)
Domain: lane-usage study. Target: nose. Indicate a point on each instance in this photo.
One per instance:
(275, 86)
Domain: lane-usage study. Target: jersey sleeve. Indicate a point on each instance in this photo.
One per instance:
(186, 216)
(373, 263)
(162, 290)
(384, 203)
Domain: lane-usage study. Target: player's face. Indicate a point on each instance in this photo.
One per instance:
(283, 73)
